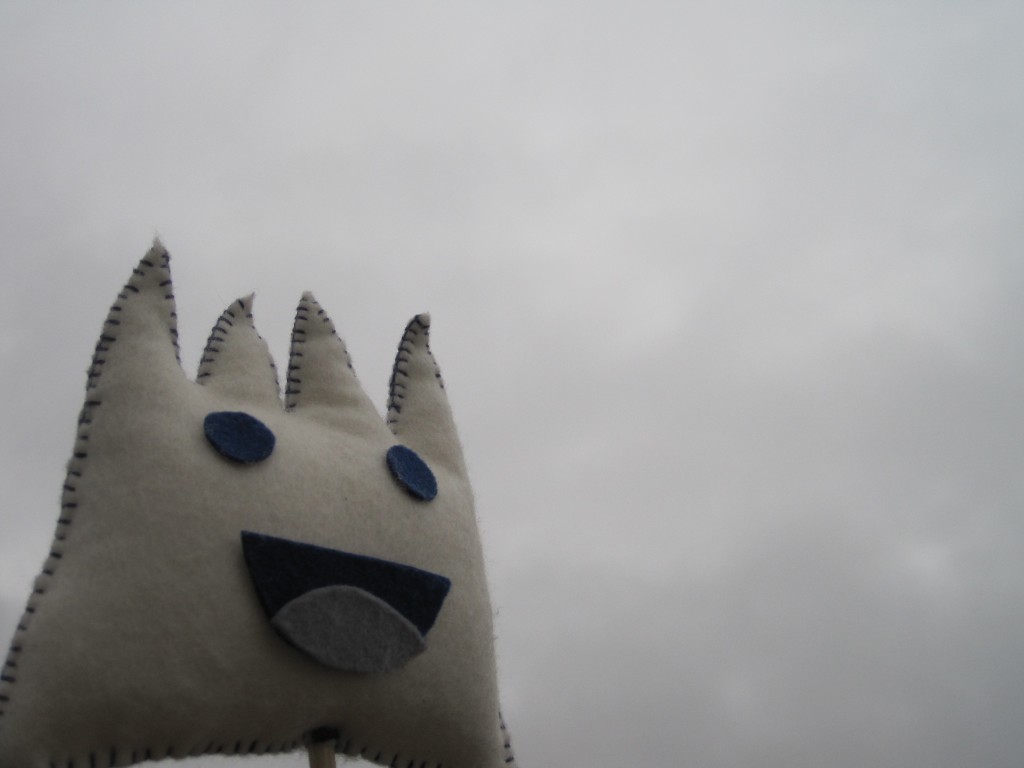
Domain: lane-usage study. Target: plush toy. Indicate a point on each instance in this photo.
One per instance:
(231, 574)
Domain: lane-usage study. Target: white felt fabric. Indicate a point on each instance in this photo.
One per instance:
(144, 637)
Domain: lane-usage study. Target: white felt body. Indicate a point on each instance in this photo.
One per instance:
(148, 640)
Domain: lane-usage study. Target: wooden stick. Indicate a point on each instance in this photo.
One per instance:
(321, 754)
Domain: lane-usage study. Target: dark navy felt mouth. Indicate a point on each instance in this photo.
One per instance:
(348, 611)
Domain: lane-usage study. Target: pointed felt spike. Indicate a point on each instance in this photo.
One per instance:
(140, 335)
(418, 410)
(236, 361)
(320, 375)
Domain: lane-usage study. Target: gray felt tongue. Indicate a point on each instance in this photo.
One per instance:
(347, 628)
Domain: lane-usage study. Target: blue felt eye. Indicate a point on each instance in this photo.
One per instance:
(239, 436)
(412, 472)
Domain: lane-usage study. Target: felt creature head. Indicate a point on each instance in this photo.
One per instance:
(231, 574)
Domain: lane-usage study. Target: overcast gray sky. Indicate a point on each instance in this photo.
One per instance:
(728, 298)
